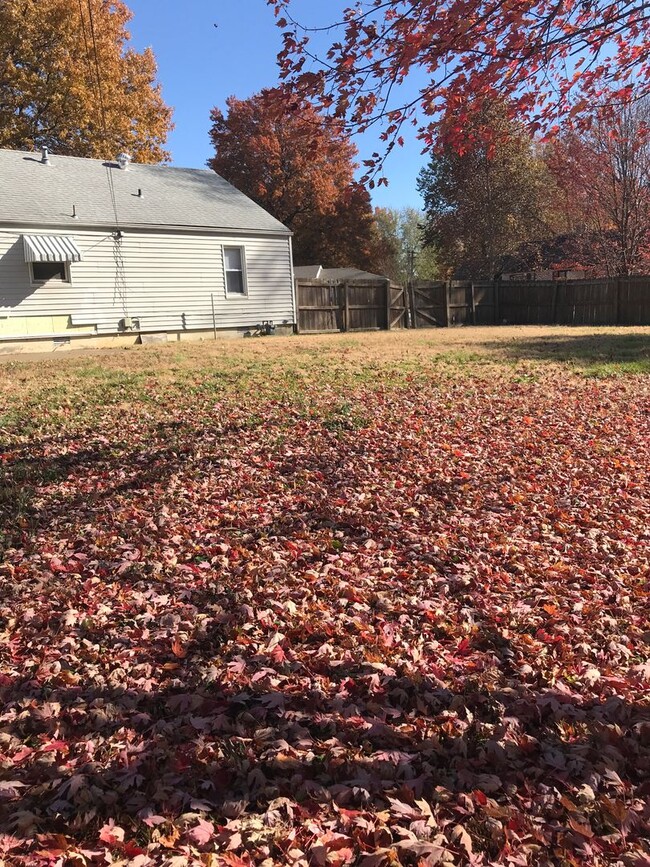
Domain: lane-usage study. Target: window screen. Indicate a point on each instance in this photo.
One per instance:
(234, 263)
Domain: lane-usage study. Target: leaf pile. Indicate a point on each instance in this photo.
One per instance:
(406, 627)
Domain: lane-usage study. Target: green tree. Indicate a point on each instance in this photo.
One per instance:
(406, 256)
(485, 199)
(69, 81)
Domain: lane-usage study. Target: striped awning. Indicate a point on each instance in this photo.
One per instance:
(50, 248)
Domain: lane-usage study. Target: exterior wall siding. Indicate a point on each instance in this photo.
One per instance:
(164, 280)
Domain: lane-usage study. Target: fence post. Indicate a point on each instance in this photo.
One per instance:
(617, 316)
(346, 306)
(388, 305)
(296, 295)
(410, 301)
(473, 302)
(447, 303)
(556, 289)
(497, 302)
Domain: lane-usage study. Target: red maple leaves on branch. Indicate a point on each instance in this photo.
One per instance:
(550, 60)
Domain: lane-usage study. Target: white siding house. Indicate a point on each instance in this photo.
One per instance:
(91, 249)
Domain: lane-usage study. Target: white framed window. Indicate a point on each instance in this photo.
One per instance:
(234, 265)
(46, 272)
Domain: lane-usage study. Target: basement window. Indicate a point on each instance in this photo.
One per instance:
(234, 264)
(43, 272)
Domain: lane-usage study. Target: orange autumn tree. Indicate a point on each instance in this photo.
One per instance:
(299, 166)
(70, 81)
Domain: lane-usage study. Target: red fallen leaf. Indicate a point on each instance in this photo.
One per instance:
(278, 654)
(150, 818)
(581, 828)
(55, 747)
(178, 649)
(379, 858)
(568, 804)
(8, 842)
(480, 797)
(429, 853)
(21, 754)
(131, 849)
(202, 832)
(112, 834)
(402, 810)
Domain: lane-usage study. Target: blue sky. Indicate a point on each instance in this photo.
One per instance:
(199, 65)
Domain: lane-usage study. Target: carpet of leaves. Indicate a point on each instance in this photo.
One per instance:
(407, 625)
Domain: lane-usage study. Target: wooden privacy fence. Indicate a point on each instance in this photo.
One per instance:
(356, 305)
(351, 305)
(603, 301)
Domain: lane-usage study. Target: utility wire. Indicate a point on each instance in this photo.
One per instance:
(102, 106)
(120, 273)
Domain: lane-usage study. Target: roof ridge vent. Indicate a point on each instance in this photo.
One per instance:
(123, 161)
(45, 156)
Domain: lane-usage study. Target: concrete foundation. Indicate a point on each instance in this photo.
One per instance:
(24, 345)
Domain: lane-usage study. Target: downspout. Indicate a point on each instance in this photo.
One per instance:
(294, 305)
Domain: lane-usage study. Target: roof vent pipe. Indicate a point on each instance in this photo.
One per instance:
(123, 161)
(45, 156)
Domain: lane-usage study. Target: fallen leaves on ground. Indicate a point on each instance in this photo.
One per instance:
(403, 626)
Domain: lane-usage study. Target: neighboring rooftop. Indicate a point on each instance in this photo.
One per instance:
(32, 192)
(333, 275)
(307, 272)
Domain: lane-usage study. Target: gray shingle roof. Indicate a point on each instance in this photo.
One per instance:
(43, 195)
(348, 274)
(307, 272)
(317, 272)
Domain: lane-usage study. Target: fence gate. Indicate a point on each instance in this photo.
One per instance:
(399, 307)
(351, 305)
(428, 303)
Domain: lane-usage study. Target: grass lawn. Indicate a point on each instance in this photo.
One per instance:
(365, 599)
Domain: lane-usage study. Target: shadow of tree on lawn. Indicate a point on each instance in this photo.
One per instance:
(364, 737)
(624, 350)
(117, 721)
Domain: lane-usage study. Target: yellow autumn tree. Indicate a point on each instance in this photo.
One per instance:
(70, 81)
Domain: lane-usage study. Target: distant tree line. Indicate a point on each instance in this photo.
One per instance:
(503, 201)
(497, 201)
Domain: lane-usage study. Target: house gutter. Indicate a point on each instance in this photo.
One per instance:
(146, 227)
